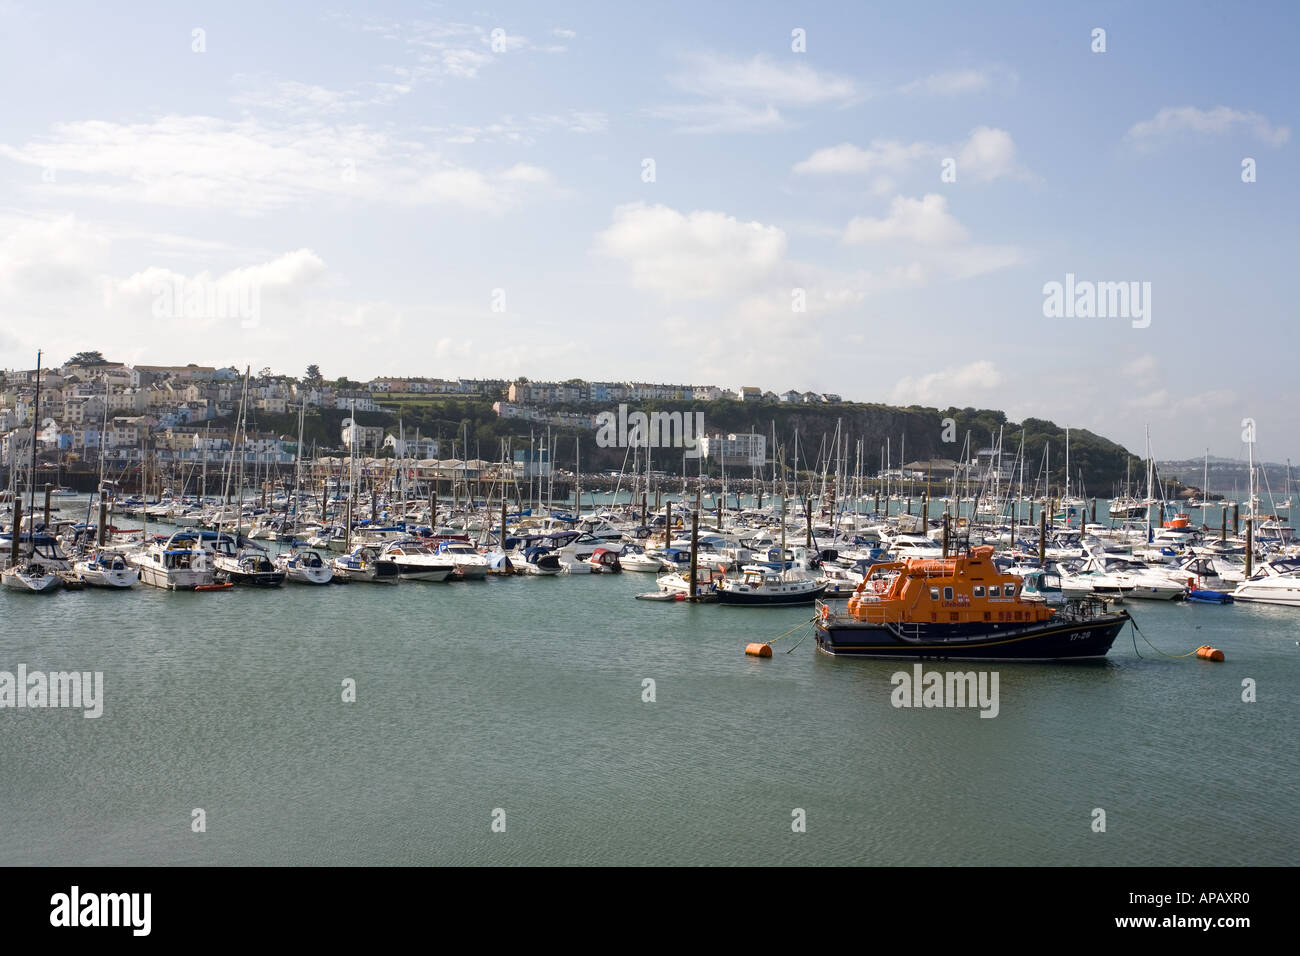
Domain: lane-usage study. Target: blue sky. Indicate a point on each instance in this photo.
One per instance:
(378, 172)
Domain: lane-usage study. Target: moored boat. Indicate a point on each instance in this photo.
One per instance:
(250, 568)
(1277, 582)
(362, 564)
(180, 563)
(762, 586)
(962, 608)
(304, 567)
(106, 569)
(31, 576)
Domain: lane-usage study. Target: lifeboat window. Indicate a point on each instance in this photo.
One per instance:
(979, 590)
(934, 594)
(995, 591)
(947, 594)
(1012, 590)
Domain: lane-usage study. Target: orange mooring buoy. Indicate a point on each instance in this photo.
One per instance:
(1207, 653)
(759, 650)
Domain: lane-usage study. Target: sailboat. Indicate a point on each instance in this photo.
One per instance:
(31, 573)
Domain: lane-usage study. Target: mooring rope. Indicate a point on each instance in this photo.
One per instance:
(1137, 630)
(793, 629)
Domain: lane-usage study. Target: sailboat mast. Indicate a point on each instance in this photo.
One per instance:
(31, 480)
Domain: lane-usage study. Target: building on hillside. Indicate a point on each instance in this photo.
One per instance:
(740, 449)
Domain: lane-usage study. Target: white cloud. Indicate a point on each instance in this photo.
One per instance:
(847, 158)
(925, 221)
(959, 82)
(294, 98)
(723, 117)
(1141, 367)
(949, 84)
(762, 79)
(1175, 120)
(950, 386)
(692, 255)
(987, 154)
(747, 95)
(525, 130)
(251, 168)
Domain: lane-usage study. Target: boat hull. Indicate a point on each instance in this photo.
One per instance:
(16, 580)
(99, 578)
(175, 579)
(1046, 641)
(759, 598)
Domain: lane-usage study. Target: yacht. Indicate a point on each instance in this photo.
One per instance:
(467, 563)
(180, 563)
(305, 567)
(248, 567)
(540, 561)
(637, 560)
(362, 564)
(1277, 582)
(416, 561)
(31, 575)
(106, 569)
(1120, 578)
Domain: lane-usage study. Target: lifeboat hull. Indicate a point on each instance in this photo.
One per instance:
(1050, 640)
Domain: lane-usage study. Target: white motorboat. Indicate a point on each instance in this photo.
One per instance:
(106, 569)
(180, 563)
(1120, 578)
(362, 564)
(640, 561)
(304, 567)
(467, 563)
(1277, 582)
(416, 561)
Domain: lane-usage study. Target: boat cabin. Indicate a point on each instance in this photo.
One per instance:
(966, 589)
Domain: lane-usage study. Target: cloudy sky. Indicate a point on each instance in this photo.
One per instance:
(672, 192)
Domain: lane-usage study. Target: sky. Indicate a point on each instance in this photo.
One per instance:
(840, 197)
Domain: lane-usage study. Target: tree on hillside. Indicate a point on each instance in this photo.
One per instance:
(87, 358)
(313, 376)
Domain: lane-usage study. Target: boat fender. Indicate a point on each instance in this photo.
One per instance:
(1207, 653)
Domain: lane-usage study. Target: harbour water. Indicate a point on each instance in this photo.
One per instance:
(527, 695)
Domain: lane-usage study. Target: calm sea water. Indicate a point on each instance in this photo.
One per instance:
(526, 695)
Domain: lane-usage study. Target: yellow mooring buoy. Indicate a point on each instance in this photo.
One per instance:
(759, 650)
